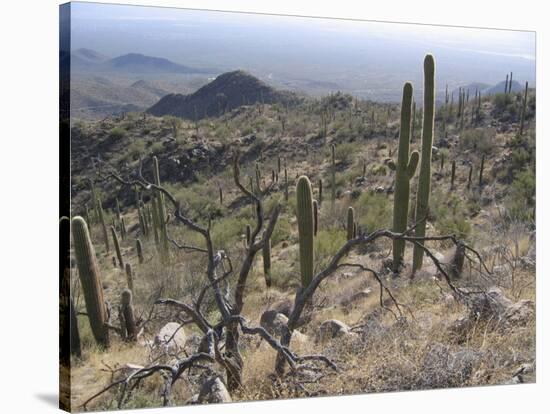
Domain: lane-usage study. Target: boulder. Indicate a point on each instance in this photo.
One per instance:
(333, 329)
(520, 312)
(171, 336)
(213, 391)
(273, 322)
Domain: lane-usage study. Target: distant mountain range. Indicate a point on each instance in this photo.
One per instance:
(228, 91)
(487, 89)
(87, 60)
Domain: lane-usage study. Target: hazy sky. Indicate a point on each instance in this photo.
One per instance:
(352, 54)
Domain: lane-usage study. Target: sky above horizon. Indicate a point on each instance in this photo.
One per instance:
(347, 52)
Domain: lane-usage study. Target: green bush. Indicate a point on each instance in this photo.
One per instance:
(479, 139)
(326, 244)
(521, 197)
(374, 211)
(117, 133)
(450, 214)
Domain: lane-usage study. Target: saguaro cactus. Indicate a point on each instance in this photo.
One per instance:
(90, 280)
(453, 171)
(315, 217)
(129, 276)
(266, 253)
(320, 191)
(404, 171)
(470, 177)
(117, 247)
(161, 213)
(333, 175)
(523, 110)
(101, 218)
(424, 181)
(304, 214)
(350, 221)
(286, 185)
(481, 170)
(139, 250)
(127, 308)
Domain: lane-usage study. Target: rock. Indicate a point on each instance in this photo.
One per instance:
(488, 304)
(213, 391)
(171, 336)
(299, 338)
(332, 329)
(442, 368)
(273, 322)
(356, 297)
(283, 306)
(520, 312)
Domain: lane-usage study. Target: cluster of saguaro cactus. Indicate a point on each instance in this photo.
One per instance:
(404, 171)
(425, 175)
(90, 280)
(304, 213)
(508, 83)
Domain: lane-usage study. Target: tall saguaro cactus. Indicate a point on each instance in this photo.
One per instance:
(127, 309)
(523, 110)
(333, 174)
(90, 280)
(266, 253)
(304, 213)
(404, 171)
(139, 251)
(117, 247)
(315, 217)
(350, 222)
(424, 181)
(161, 213)
(101, 217)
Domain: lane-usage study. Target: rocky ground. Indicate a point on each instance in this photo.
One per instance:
(438, 340)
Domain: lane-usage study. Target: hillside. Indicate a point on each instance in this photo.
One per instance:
(383, 330)
(138, 63)
(225, 93)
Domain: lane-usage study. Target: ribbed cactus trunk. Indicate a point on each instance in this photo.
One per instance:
(523, 110)
(315, 217)
(90, 281)
(453, 172)
(286, 185)
(481, 167)
(117, 247)
(139, 250)
(161, 213)
(424, 181)
(266, 253)
(320, 191)
(333, 175)
(127, 309)
(155, 219)
(129, 276)
(304, 214)
(404, 171)
(350, 222)
(101, 218)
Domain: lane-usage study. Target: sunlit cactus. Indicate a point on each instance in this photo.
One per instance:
(139, 250)
(304, 214)
(90, 281)
(127, 309)
(350, 222)
(117, 247)
(405, 169)
(425, 176)
(266, 253)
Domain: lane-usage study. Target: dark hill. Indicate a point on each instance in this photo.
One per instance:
(138, 63)
(228, 91)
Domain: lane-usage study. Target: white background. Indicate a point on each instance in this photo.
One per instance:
(29, 203)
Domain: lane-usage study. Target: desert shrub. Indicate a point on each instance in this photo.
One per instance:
(502, 101)
(521, 197)
(373, 211)
(478, 139)
(136, 148)
(326, 244)
(117, 133)
(227, 233)
(450, 214)
(344, 153)
(156, 147)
